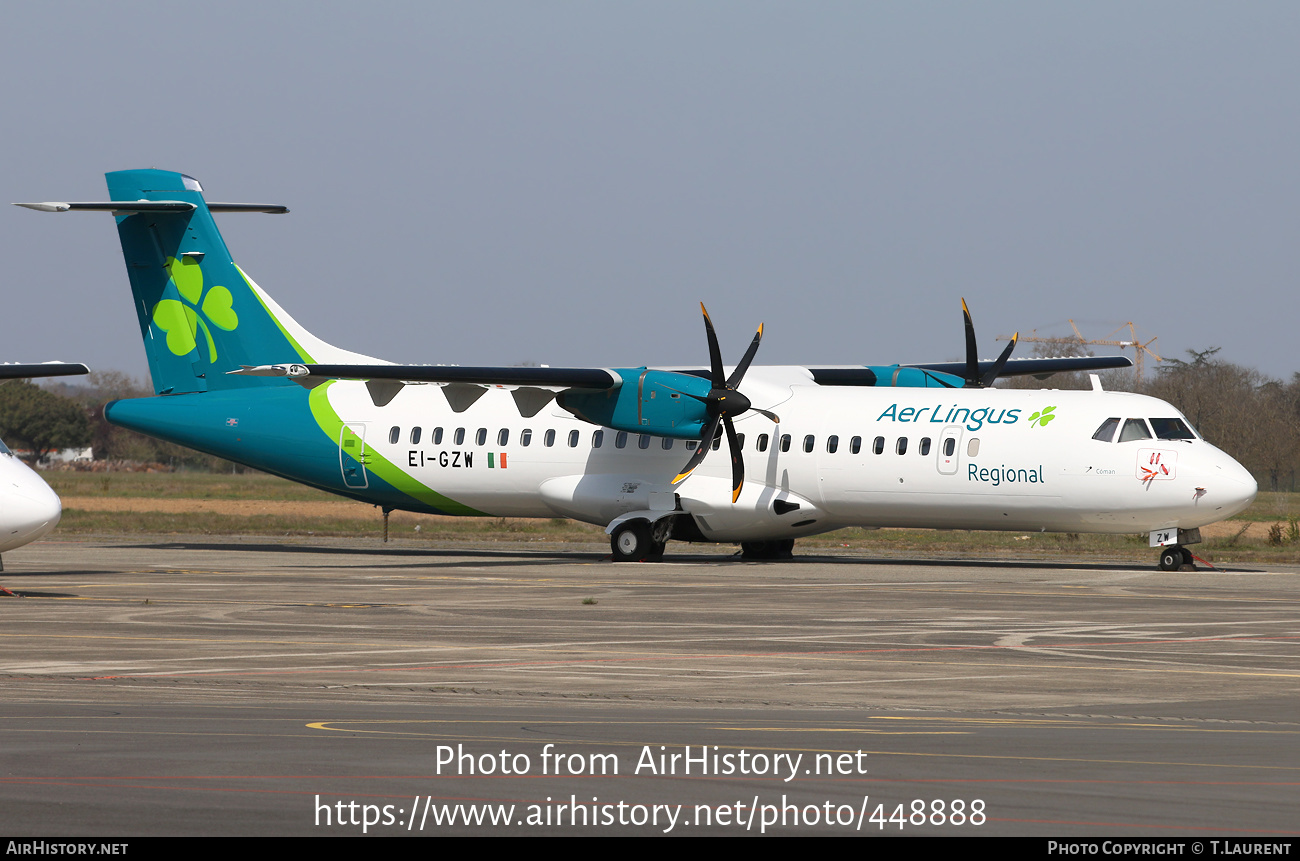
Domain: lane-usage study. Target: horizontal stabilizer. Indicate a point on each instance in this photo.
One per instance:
(152, 206)
(20, 371)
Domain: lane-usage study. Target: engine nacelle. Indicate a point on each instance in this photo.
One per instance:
(649, 401)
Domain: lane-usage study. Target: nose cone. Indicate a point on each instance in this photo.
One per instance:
(1229, 487)
(28, 508)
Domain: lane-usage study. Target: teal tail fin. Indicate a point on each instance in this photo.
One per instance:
(199, 314)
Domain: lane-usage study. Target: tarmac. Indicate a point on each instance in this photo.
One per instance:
(254, 687)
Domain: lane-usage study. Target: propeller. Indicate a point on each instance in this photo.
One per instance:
(973, 378)
(724, 401)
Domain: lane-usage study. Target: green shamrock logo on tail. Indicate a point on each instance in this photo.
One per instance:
(1041, 419)
(182, 320)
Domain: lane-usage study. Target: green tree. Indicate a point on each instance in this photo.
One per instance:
(40, 421)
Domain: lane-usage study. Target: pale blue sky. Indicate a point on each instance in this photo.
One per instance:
(490, 183)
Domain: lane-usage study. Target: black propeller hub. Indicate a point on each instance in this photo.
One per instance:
(727, 402)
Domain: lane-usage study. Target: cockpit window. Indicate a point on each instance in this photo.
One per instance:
(1171, 429)
(1106, 432)
(1134, 429)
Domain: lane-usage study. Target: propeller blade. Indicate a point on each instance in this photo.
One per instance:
(723, 402)
(706, 442)
(771, 415)
(972, 354)
(734, 380)
(715, 354)
(987, 379)
(737, 462)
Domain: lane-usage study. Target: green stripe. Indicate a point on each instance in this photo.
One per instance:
(332, 426)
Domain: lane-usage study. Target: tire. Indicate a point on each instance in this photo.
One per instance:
(1171, 558)
(1187, 557)
(631, 542)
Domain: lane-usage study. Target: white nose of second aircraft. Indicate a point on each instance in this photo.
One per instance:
(28, 508)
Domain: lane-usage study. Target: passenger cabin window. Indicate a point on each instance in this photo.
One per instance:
(525, 436)
(949, 446)
(503, 437)
(761, 443)
(415, 436)
(832, 444)
(878, 445)
(855, 445)
(481, 437)
(598, 439)
(1106, 433)
(460, 436)
(1134, 429)
(549, 439)
(394, 435)
(717, 439)
(973, 447)
(643, 441)
(1171, 429)
(667, 443)
(620, 439)
(808, 443)
(785, 442)
(437, 436)
(925, 446)
(692, 444)
(573, 439)
(900, 447)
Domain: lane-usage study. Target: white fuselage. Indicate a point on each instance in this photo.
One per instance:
(929, 458)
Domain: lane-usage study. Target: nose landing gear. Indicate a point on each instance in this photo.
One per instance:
(1174, 557)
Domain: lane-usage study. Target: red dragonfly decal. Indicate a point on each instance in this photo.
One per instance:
(1156, 468)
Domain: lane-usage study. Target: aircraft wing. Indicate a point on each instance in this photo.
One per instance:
(44, 369)
(1035, 367)
(533, 388)
(565, 378)
(599, 379)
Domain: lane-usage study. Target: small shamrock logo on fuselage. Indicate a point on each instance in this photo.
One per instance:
(182, 320)
(1041, 419)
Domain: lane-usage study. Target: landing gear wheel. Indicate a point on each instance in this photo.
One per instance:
(631, 542)
(1172, 558)
(1188, 558)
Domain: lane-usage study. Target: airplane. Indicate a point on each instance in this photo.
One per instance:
(29, 509)
(811, 448)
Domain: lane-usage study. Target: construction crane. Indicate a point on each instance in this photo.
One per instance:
(1139, 348)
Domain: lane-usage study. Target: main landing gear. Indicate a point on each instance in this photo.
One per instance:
(1174, 557)
(639, 540)
(634, 541)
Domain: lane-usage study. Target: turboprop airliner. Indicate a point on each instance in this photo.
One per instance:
(636, 449)
(29, 509)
